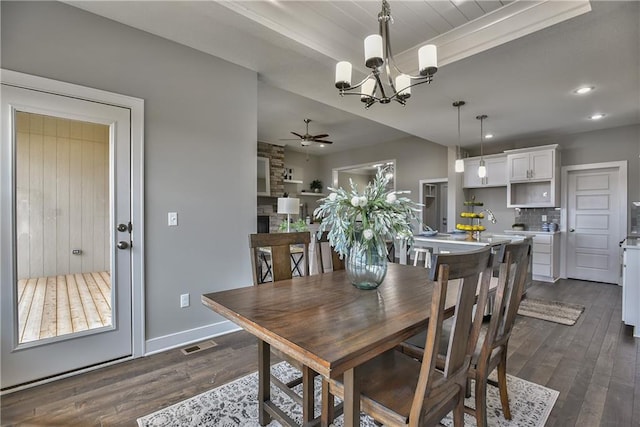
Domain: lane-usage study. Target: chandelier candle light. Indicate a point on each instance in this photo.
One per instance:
(378, 57)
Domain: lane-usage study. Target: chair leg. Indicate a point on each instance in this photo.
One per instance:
(481, 400)
(458, 412)
(502, 385)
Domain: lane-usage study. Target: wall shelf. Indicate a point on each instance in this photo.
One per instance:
(292, 181)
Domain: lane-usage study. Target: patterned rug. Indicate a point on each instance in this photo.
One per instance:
(553, 311)
(236, 404)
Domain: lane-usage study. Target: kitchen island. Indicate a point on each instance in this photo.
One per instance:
(443, 243)
(451, 243)
(446, 243)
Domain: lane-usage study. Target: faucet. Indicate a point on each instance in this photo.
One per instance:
(490, 216)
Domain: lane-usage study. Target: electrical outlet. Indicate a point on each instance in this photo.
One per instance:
(184, 300)
(544, 218)
(172, 219)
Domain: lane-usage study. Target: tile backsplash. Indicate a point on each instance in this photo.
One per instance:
(532, 217)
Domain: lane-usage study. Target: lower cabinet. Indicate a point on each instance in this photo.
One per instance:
(546, 257)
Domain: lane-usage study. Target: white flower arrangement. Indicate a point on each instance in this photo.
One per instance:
(375, 215)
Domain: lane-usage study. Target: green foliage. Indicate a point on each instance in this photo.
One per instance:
(316, 184)
(372, 216)
(299, 225)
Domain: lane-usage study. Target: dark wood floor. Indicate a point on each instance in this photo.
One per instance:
(594, 365)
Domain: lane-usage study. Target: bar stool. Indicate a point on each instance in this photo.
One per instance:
(426, 254)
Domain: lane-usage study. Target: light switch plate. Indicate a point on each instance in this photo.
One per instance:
(184, 300)
(544, 218)
(173, 219)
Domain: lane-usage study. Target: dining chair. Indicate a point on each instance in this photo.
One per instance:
(275, 250)
(398, 390)
(279, 245)
(492, 337)
(336, 262)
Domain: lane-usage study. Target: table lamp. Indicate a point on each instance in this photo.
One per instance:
(289, 206)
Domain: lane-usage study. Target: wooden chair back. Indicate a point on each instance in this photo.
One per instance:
(336, 262)
(514, 265)
(280, 247)
(465, 270)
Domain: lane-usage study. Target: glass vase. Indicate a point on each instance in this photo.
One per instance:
(365, 266)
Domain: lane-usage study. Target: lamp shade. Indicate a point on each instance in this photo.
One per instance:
(428, 60)
(373, 51)
(403, 85)
(482, 170)
(343, 75)
(288, 205)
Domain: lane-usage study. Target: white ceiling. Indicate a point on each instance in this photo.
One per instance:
(495, 55)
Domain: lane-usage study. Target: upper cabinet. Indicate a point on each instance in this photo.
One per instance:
(534, 177)
(496, 165)
(536, 165)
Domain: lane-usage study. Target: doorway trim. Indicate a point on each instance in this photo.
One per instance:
(564, 201)
(136, 108)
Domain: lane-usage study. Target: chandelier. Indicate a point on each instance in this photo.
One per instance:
(378, 57)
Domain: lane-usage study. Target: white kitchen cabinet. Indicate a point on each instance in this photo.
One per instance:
(533, 177)
(545, 254)
(496, 171)
(532, 166)
(546, 257)
(631, 285)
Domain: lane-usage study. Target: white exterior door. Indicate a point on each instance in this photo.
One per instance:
(65, 216)
(593, 226)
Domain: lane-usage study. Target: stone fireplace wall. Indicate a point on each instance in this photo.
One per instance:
(268, 206)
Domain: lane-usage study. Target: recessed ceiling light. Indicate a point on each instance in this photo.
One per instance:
(584, 90)
(321, 145)
(596, 116)
(488, 136)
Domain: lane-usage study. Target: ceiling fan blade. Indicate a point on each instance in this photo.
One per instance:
(298, 135)
(322, 135)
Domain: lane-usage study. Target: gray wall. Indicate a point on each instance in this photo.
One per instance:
(200, 145)
(416, 159)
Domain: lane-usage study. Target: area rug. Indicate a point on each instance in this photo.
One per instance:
(553, 311)
(236, 404)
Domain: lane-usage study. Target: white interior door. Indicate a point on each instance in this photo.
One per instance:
(593, 226)
(66, 214)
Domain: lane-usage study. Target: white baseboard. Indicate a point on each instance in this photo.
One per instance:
(182, 338)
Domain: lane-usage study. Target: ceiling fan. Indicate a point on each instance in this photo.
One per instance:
(307, 139)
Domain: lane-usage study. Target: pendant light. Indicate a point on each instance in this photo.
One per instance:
(482, 169)
(459, 164)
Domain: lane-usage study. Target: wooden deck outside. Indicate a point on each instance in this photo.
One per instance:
(64, 304)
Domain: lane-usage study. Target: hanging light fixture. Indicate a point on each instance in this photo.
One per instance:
(482, 169)
(459, 164)
(378, 57)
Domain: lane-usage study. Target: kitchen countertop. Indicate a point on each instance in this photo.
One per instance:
(448, 238)
(530, 233)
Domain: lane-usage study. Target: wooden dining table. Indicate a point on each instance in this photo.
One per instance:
(328, 325)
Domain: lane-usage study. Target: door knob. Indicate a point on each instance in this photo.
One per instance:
(572, 230)
(123, 245)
